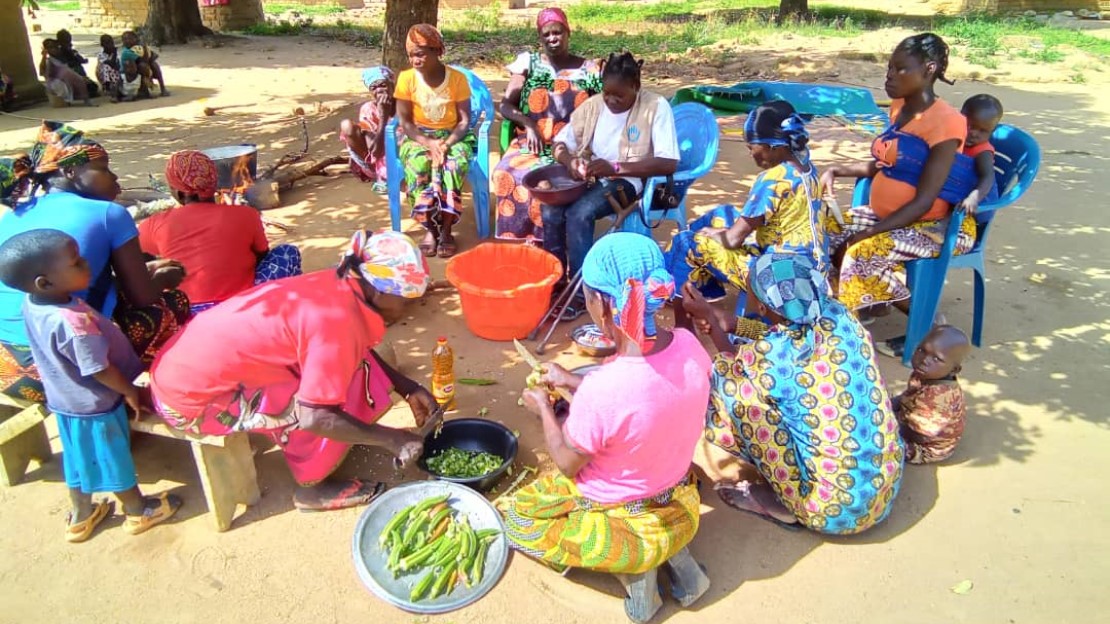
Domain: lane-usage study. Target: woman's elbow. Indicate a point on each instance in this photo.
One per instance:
(667, 166)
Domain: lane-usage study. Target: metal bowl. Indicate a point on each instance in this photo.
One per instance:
(591, 342)
(370, 562)
(564, 189)
(472, 434)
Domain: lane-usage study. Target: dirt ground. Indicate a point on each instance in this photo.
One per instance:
(1014, 513)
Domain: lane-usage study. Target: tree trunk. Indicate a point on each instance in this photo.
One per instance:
(400, 15)
(174, 21)
(16, 56)
(793, 7)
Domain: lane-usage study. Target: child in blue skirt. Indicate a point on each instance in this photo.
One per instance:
(87, 367)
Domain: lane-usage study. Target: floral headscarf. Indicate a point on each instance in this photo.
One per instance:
(390, 262)
(193, 173)
(57, 146)
(629, 268)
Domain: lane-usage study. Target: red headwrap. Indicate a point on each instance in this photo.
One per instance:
(424, 36)
(549, 15)
(193, 173)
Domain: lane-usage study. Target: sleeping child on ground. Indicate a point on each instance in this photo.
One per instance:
(983, 113)
(87, 367)
(365, 138)
(931, 410)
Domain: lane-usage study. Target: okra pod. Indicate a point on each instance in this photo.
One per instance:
(397, 521)
(441, 581)
(430, 502)
(417, 558)
(484, 533)
(448, 557)
(478, 566)
(413, 529)
(423, 586)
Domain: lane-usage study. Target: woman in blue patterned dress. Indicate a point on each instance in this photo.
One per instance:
(804, 405)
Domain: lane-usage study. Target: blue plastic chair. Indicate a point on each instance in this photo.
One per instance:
(1016, 162)
(698, 142)
(481, 107)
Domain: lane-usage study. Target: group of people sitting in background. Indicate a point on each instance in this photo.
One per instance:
(122, 74)
(791, 421)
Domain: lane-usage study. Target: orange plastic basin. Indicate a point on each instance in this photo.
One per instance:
(505, 288)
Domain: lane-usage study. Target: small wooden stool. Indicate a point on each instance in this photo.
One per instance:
(225, 465)
(22, 438)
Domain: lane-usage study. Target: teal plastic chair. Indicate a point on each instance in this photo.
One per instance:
(481, 111)
(699, 140)
(1016, 163)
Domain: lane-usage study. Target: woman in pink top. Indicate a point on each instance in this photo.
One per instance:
(624, 500)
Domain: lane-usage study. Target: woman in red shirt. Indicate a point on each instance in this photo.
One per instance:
(222, 247)
(293, 359)
(904, 221)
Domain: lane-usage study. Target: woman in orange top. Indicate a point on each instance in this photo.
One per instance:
(433, 108)
(904, 221)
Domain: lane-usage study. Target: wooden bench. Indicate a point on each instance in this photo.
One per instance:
(22, 438)
(225, 465)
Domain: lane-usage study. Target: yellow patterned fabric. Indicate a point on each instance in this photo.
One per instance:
(551, 521)
(873, 270)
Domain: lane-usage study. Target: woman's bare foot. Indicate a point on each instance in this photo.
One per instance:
(758, 499)
(447, 245)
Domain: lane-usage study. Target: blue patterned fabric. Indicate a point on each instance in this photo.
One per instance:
(626, 267)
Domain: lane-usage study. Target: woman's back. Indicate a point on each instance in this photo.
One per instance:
(640, 419)
(99, 227)
(218, 245)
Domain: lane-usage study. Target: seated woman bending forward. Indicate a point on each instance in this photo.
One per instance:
(799, 429)
(222, 247)
(624, 500)
(618, 137)
(293, 359)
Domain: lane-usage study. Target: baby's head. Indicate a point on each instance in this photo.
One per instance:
(44, 262)
(983, 113)
(130, 69)
(941, 353)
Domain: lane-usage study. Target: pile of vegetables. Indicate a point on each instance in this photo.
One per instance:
(459, 464)
(427, 538)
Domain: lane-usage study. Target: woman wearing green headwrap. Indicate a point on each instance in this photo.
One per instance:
(800, 430)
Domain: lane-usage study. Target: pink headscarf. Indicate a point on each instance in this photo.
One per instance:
(552, 14)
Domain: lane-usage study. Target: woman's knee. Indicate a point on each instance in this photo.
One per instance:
(347, 128)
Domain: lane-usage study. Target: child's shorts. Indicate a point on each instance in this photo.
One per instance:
(97, 451)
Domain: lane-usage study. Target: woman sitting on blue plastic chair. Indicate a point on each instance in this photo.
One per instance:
(916, 179)
(617, 137)
(782, 213)
(433, 108)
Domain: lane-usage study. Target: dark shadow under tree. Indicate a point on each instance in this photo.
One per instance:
(174, 21)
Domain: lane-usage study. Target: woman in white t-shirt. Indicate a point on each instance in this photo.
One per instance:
(618, 138)
(543, 91)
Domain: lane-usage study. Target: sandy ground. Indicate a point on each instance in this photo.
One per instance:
(1015, 512)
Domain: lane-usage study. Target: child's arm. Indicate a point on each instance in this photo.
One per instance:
(114, 379)
(984, 168)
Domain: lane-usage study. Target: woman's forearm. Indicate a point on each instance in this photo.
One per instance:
(562, 155)
(411, 131)
(458, 132)
(334, 424)
(860, 169)
(739, 232)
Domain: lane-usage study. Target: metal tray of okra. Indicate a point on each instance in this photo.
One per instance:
(371, 561)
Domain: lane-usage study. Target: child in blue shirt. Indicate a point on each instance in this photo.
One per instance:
(87, 367)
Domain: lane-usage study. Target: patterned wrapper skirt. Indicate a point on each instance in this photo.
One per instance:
(551, 521)
(435, 190)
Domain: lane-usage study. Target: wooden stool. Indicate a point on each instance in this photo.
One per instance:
(225, 465)
(22, 438)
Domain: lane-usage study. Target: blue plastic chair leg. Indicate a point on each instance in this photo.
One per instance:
(980, 306)
(394, 174)
(926, 287)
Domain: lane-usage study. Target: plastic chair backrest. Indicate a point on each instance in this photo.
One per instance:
(698, 138)
(1017, 160)
(481, 100)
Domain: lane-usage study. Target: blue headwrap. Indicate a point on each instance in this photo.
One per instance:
(630, 270)
(777, 125)
(791, 285)
(371, 75)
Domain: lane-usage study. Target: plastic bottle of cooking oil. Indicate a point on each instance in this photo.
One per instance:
(443, 374)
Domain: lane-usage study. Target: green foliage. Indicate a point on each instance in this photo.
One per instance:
(277, 8)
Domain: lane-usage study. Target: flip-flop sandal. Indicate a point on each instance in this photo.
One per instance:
(575, 309)
(167, 507)
(83, 530)
(895, 347)
(446, 250)
(356, 492)
(721, 493)
(429, 251)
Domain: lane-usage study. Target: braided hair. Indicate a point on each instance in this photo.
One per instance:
(928, 48)
(622, 66)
